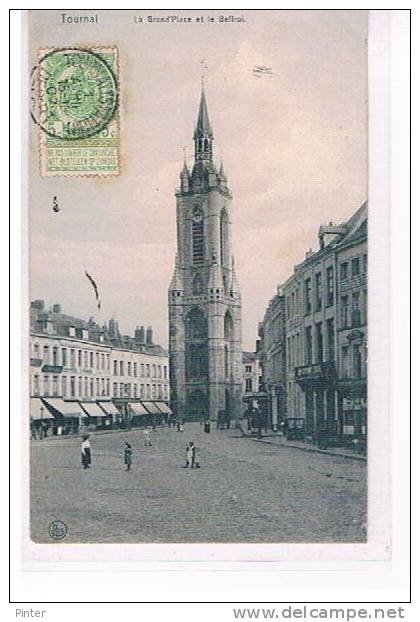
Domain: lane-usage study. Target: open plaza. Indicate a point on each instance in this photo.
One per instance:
(247, 490)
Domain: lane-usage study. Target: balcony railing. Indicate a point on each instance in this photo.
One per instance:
(316, 372)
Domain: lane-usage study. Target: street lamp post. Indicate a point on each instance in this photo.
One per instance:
(127, 408)
(41, 431)
(274, 406)
(129, 415)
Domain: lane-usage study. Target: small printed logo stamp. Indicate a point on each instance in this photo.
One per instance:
(57, 530)
(74, 102)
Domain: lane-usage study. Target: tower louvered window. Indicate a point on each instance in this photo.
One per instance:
(197, 238)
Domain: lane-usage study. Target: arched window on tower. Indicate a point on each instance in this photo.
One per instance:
(228, 326)
(228, 335)
(226, 361)
(196, 344)
(224, 242)
(197, 235)
(196, 325)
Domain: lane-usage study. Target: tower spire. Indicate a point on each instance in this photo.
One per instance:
(203, 128)
(203, 133)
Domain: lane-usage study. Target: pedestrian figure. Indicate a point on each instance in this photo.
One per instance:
(207, 427)
(189, 451)
(181, 426)
(86, 455)
(128, 452)
(147, 440)
(178, 425)
(195, 457)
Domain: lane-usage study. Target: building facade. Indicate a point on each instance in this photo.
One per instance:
(69, 357)
(352, 323)
(139, 375)
(79, 362)
(272, 334)
(326, 332)
(204, 299)
(252, 374)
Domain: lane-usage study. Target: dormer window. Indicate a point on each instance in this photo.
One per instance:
(85, 334)
(72, 331)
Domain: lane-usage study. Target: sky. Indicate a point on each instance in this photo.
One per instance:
(294, 147)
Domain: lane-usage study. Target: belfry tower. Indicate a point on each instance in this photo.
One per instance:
(204, 300)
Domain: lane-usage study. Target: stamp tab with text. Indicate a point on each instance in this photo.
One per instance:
(74, 101)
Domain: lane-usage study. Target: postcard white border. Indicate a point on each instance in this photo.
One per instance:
(42, 559)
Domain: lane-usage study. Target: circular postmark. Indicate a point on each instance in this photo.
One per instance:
(74, 93)
(57, 530)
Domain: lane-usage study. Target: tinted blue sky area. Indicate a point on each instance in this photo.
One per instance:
(293, 144)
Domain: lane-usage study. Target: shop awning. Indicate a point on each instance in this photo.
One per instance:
(92, 409)
(152, 408)
(137, 408)
(109, 408)
(62, 408)
(35, 412)
(163, 407)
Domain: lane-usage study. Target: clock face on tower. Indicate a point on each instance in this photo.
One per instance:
(197, 214)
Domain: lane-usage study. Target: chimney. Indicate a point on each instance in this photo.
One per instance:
(139, 335)
(49, 324)
(149, 335)
(56, 308)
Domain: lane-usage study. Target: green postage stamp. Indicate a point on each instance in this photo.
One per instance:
(74, 101)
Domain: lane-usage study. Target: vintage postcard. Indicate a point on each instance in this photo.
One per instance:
(202, 286)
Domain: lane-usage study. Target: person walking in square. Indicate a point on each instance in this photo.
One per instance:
(86, 454)
(189, 451)
(128, 455)
(195, 457)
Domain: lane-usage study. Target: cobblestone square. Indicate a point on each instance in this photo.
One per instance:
(245, 491)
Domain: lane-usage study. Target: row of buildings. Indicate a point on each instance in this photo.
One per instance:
(310, 360)
(313, 338)
(80, 370)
